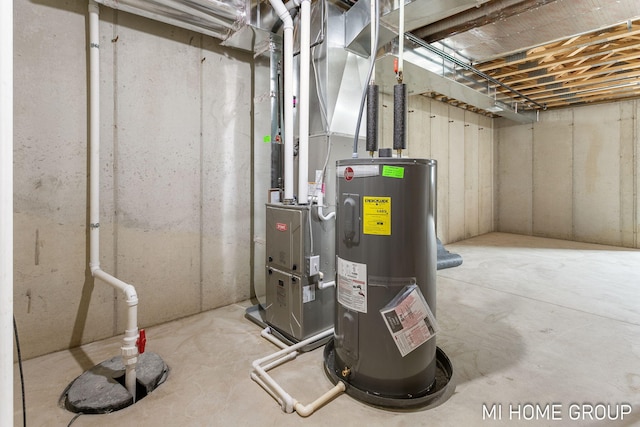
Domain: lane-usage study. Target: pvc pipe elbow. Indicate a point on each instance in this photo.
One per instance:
(93, 267)
(325, 285)
(132, 296)
(305, 411)
(325, 217)
(302, 410)
(283, 13)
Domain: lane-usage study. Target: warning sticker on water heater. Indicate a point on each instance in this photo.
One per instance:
(376, 215)
(352, 285)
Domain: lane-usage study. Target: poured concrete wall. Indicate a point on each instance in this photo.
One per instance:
(573, 175)
(175, 173)
(463, 144)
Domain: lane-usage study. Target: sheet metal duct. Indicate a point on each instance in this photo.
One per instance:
(420, 80)
(418, 13)
(212, 17)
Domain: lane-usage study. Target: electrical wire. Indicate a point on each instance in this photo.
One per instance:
(375, 18)
(74, 418)
(24, 404)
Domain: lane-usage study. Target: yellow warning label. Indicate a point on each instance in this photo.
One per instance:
(376, 215)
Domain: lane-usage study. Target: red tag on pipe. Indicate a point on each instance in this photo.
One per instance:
(395, 65)
(142, 341)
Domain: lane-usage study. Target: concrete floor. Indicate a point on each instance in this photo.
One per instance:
(525, 320)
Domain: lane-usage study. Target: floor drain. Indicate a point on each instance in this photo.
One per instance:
(101, 389)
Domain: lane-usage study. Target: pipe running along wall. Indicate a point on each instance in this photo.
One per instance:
(129, 348)
(303, 101)
(285, 16)
(6, 212)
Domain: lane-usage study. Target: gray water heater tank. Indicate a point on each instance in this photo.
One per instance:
(385, 253)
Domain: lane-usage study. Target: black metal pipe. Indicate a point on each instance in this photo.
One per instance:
(372, 118)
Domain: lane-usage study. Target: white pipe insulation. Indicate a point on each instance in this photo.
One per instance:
(6, 212)
(285, 16)
(129, 348)
(303, 101)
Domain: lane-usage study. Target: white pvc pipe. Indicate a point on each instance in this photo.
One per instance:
(266, 334)
(6, 212)
(320, 208)
(325, 285)
(266, 388)
(294, 347)
(292, 4)
(289, 404)
(303, 101)
(305, 411)
(284, 15)
(129, 348)
(283, 397)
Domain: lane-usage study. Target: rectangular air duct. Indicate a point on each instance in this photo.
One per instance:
(211, 17)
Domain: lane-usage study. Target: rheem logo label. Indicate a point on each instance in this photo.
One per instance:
(348, 173)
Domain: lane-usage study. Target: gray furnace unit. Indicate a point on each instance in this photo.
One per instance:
(295, 305)
(384, 344)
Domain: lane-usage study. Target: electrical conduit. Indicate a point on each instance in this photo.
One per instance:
(284, 15)
(129, 348)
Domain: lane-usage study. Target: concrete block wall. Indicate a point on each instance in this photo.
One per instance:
(573, 175)
(463, 144)
(175, 173)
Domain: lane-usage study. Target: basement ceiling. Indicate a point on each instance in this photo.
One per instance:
(554, 53)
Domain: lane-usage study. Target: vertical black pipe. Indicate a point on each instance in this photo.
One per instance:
(372, 118)
(399, 116)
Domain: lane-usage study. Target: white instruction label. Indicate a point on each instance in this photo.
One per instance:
(308, 293)
(409, 320)
(352, 285)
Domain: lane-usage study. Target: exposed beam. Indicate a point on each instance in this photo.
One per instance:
(612, 95)
(575, 42)
(571, 83)
(583, 60)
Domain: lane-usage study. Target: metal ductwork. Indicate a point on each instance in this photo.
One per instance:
(425, 70)
(418, 13)
(211, 17)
